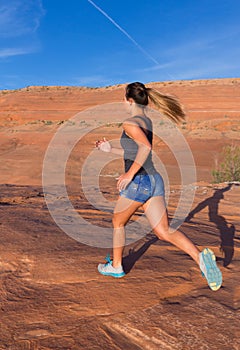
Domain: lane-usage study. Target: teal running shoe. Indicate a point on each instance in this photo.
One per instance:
(108, 270)
(209, 269)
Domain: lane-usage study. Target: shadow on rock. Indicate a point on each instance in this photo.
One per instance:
(134, 255)
(226, 230)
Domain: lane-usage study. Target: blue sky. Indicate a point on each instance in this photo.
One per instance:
(107, 42)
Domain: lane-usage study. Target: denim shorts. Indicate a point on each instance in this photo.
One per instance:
(143, 187)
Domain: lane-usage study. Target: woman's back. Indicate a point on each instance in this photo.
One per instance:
(130, 147)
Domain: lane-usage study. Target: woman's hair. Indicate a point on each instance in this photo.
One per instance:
(166, 104)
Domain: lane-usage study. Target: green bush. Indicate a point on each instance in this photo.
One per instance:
(229, 169)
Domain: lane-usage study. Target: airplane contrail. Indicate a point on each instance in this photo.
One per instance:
(124, 32)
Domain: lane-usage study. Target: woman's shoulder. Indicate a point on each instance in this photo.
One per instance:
(137, 119)
(131, 121)
(140, 121)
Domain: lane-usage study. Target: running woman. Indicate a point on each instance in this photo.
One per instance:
(142, 185)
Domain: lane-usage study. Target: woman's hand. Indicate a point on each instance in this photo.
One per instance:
(104, 145)
(123, 181)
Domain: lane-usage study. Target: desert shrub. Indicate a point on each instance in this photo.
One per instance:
(229, 169)
(47, 122)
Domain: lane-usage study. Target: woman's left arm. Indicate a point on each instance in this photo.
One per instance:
(105, 146)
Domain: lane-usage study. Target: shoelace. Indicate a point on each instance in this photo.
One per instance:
(108, 259)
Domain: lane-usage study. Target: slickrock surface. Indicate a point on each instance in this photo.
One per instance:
(52, 296)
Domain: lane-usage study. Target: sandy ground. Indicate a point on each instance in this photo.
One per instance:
(52, 296)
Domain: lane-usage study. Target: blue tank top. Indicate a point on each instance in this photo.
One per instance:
(130, 148)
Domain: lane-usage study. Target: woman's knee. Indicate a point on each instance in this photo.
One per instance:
(162, 233)
(118, 220)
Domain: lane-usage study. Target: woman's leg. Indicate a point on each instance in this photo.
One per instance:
(124, 209)
(156, 213)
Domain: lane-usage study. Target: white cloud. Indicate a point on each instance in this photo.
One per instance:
(204, 56)
(157, 67)
(20, 17)
(204, 44)
(213, 69)
(9, 52)
(164, 68)
(91, 80)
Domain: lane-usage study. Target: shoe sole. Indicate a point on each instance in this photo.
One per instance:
(214, 275)
(116, 275)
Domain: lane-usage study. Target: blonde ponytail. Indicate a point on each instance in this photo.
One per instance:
(167, 104)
